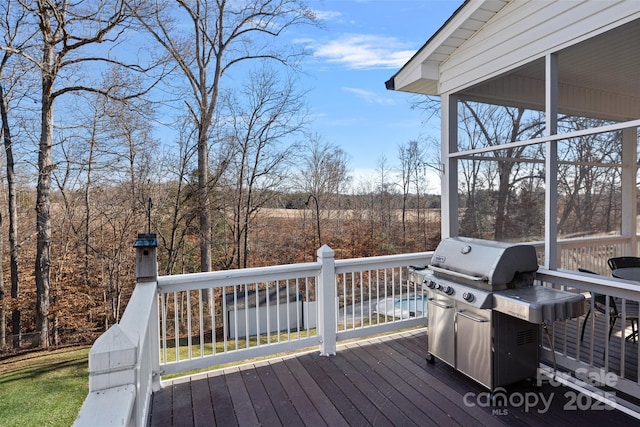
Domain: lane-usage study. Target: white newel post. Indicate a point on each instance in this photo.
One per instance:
(327, 327)
(148, 345)
(124, 362)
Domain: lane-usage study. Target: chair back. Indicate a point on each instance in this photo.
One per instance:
(600, 304)
(623, 262)
(600, 300)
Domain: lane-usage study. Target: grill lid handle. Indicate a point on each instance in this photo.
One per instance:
(457, 274)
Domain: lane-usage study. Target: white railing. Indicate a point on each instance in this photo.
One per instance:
(197, 321)
(603, 360)
(208, 319)
(375, 295)
(591, 253)
(220, 317)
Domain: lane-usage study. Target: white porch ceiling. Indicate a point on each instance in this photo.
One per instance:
(599, 77)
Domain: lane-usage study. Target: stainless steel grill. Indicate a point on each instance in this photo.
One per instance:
(482, 292)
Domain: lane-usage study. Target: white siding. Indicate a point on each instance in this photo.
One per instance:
(279, 320)
(525, 31)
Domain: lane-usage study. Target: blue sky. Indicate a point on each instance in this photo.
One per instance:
(363, 43)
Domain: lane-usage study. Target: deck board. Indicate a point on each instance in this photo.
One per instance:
(382, 381)
(287, 395)
(326, 410)
(340, 385)
(387, 399)
(182, 404)
(162, 404)
(282, 404)
(242, 404)
(202, 405)
(442, 394)
(222, 405)
(407, 398)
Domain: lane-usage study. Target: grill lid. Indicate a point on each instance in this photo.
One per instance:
(496, 263)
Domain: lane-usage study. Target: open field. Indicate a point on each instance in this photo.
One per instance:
(412, 214)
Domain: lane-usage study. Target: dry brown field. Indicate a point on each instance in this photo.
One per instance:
(412, 215)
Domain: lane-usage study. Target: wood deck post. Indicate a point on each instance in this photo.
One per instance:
(327, 327)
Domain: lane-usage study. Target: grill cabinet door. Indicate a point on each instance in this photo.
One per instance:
(473, 345)
(441, 329)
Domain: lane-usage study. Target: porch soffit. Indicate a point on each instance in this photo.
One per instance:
(465, 22)
(598, 77)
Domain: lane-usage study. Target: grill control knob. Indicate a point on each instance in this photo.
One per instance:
(468, 296)
(448, 290)
(431, 284)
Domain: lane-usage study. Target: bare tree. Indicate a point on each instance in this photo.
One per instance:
(265, 113)
(385, 191)
(492, 181)
(174, 197)
(12, 25)
(591, 198)
(64, 38)
(323, 168)
(411, 156)
(7, 138)
(220, 35)
(322, 173)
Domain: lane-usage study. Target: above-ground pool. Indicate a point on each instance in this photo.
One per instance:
(403, 308)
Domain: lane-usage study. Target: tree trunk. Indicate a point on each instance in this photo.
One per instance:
(43, 203)
(3, 319)
(203, 192)
(501, 203)
(13, 228)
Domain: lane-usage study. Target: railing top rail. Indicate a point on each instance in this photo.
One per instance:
(380, 262)
(580, 241)
(591, 282)
(212, 279)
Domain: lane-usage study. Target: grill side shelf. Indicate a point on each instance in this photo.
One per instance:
(537, 304)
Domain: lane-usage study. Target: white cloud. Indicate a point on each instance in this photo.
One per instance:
(369, 96)
(365, 51)
(327, 15)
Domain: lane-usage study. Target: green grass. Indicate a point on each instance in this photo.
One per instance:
(43, 388)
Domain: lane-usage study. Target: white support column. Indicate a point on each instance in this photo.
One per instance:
(326, 289)
(629, 188)
(551, 164)
(449, 174)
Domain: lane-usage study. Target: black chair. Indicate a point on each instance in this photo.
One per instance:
(623, 262)
(600, 305)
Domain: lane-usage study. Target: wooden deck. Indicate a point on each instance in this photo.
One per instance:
(381, 381)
